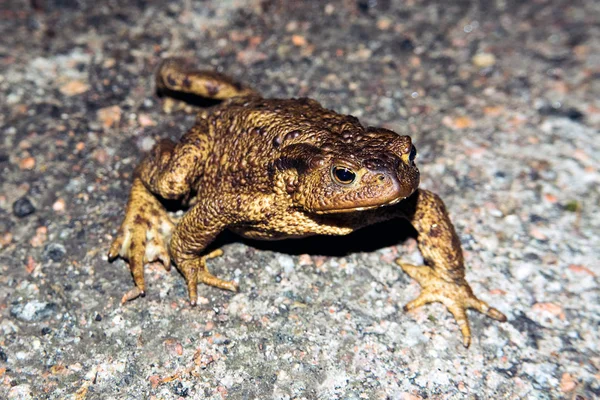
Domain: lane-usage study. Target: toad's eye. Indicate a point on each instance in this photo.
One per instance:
(343, 175)
(413, 153)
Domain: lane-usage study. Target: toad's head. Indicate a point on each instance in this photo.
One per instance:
(359, 170)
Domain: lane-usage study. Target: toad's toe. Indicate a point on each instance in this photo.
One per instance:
(142, 239)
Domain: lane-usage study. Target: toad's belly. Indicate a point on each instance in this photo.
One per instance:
(290, 228)
(252, 233)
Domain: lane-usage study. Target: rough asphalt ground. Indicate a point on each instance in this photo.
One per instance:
(502, 101)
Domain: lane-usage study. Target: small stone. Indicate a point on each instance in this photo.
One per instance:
(304, 259)
(59, 205)
(30, 265)
(91, 374)
(100, 155)
(40, 237)
(154, 381)
(3, 356)
(25, 144)
(550, 308)
(298, 40)
(145, 120)
(567, 383)
(287, 263)
(254, 41)
(109, 63)
(34, 310)
(20, 392)
(362, 54)
(484, 60)
(146, 143)
(6, 239)
(118, 321)
(580, 269)
(407, 45)
(73, 88)
(249, 57)
(180, 390)
(493, 111)
(27, 163)
(109, 116)
(217, 338)
(23, 207)
(55, 251)
(537, 234)
(173, 347)
(46, 330)
(458, 123)
(384, 23)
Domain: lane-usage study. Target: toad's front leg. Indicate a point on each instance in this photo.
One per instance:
(443, 278)
(196, 230)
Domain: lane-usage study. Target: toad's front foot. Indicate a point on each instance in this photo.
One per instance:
(456, 296)
(195, 270)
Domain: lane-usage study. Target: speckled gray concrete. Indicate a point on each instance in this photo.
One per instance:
(502, 101)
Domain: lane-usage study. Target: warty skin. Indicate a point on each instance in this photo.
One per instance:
(281, 168)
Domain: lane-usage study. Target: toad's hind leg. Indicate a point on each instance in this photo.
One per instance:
(175, 75)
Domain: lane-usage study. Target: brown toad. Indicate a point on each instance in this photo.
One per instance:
(273, 169)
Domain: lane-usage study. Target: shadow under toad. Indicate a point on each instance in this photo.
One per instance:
(368, 239)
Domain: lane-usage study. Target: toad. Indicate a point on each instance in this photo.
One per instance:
(281, 168)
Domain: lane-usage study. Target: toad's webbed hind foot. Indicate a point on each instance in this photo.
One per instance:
(456, 296)
(143, 237)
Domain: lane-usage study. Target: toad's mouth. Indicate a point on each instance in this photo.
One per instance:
(361, 208)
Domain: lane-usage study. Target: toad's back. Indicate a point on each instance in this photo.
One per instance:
(246, 136)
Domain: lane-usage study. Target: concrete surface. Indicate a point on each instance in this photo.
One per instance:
(502, 101)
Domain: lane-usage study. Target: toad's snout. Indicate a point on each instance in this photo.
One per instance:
(394, 177)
